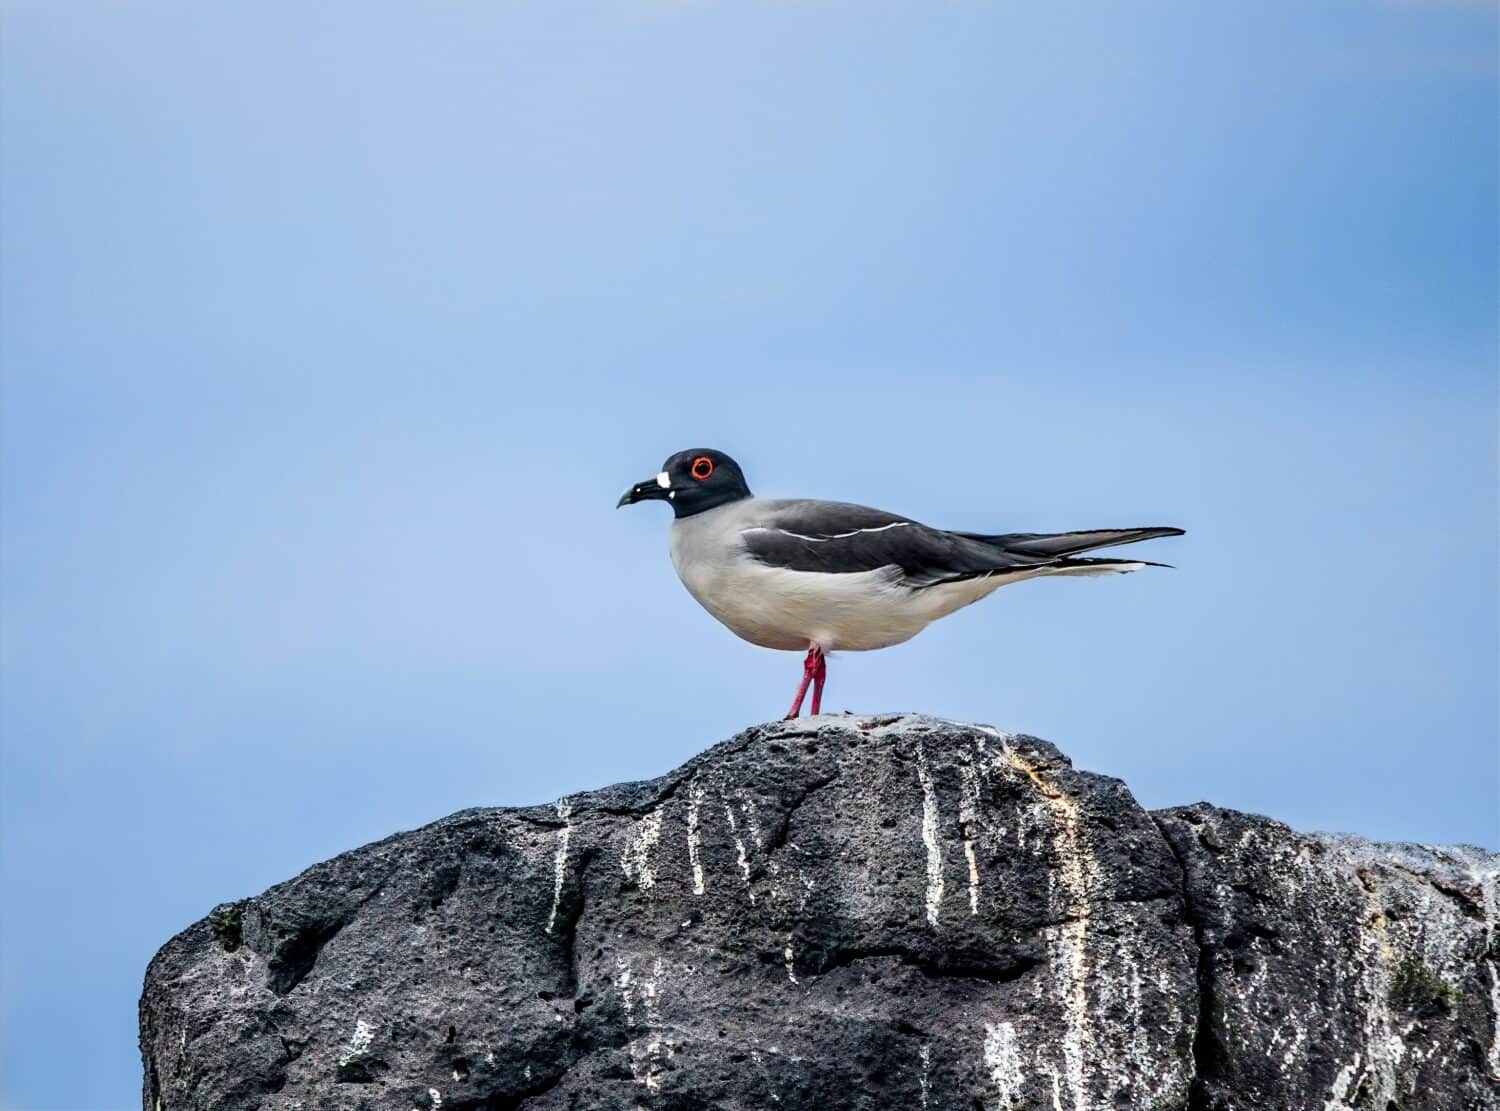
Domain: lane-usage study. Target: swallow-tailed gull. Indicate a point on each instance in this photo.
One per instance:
(821, 577)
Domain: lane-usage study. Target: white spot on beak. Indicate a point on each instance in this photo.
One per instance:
(663, 480)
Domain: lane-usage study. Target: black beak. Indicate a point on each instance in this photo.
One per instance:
(650, 490)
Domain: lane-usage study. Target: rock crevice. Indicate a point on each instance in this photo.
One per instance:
(844, 912)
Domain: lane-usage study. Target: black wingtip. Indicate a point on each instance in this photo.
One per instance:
(1055, 545)
(1106, 564)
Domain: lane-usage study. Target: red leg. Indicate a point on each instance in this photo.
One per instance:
(809, 670)
(819, 677)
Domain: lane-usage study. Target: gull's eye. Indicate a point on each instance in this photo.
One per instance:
(703, 466)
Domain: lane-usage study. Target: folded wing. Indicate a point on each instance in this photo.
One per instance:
(838, 538)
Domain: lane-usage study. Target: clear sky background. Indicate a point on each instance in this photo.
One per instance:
(331, 333)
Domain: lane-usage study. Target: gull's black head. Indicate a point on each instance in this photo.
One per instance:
(692, 481)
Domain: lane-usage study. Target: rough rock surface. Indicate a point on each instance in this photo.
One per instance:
(844, 912)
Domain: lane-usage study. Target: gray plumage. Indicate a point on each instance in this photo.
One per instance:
(787, 574)
(836, 537)
(828, 576)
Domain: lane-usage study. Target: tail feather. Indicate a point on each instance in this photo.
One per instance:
(1058, 545)
(1098, 566)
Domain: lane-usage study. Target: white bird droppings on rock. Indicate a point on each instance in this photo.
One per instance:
(752, 823)
(968, 820)
(560, 860)
(635, 857)
(739, 848)
(1067, 944)
(642, 1009)
(695, 847)
(1002, 1061)
(1342, 1084)
(360, 1041)
(930, 837)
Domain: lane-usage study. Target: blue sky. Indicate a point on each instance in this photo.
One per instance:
(332, 332)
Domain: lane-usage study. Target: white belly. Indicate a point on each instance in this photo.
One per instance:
(790, 610)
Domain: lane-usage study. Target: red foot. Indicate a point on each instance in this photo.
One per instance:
(814, 671)
(819, 677)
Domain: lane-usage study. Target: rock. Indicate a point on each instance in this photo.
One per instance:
(843, 912)
(1337, 973)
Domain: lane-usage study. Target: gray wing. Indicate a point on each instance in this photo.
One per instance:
(838, 538)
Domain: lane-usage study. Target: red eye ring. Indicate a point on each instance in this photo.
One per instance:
(702, 467)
